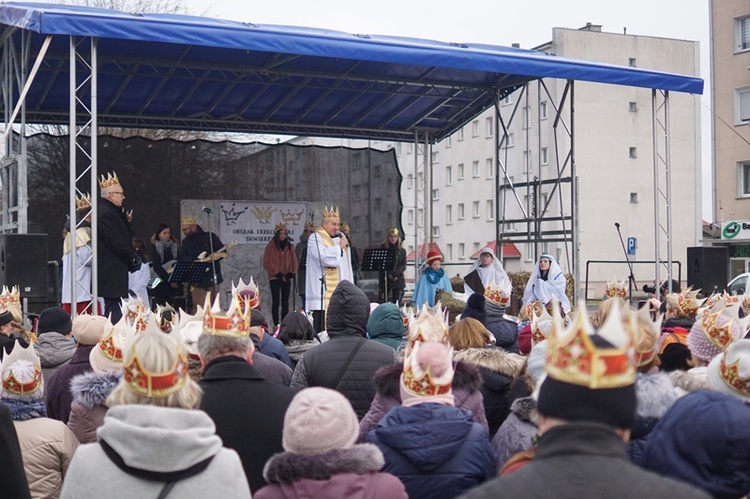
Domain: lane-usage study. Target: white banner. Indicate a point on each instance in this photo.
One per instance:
(253, 222)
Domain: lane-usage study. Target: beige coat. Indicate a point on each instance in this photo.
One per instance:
(47, 447)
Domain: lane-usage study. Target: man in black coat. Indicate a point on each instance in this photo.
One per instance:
(116, 256)
(198, 241)
(247, 408)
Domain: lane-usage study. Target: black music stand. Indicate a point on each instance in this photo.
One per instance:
(189, 272)
(380, 259)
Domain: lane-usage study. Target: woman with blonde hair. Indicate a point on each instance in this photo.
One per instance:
(154, 440)
(471, 342)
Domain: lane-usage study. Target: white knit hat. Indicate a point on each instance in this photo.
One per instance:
(319, 420)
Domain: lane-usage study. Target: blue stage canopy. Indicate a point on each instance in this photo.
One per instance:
(186, 72)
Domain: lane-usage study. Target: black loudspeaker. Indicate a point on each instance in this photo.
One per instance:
(708, 268)
(23, 263)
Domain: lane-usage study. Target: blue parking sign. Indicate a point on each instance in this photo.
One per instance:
(632, 245)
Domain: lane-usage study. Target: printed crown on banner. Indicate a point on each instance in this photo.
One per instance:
(166, 317)
(109, 181)
(541, 325)
(645, 333)
(423, 382)
(499, 294)
(235, 323)
(430, 324)
(131, 307)
(11, 384)
(572, 357)
(246, 294)
(688, 302)
(331, 213)
(10, 296)
(156, 384)
(615, 288)
(83, 202)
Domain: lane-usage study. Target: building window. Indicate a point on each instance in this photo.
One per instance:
(449, 250)
(420, 215)
(475, 169)
(475, 209)
(742, 105)
(631, 62)
(742, 34)
(508, 141)
(398, 148)
(544, 160)
(490, 210)
(526, 117)
(461, 251)
(632, 152)
(377, 170)
(490, 165)
(420, 178)
(449, 141)
(633, 198)
(460, 171)
(475, 128)
(448, 214)
(543, 110)
(436, 156)
(489, 125)
(461, 133)
(448, 175)
(508, 100)
(410, 149)
(461, 211)
(743, 180)
(410, 217)
(476, 247)
(632, 107)
(436, 231)
(435, 194)
(410, 181)
(410, 249)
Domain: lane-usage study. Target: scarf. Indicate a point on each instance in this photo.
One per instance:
(433, 276)
(161, 247)
(25, 409)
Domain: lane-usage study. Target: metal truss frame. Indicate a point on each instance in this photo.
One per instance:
(662, 186)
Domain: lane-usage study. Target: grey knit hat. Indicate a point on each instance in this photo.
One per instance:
(319, 420)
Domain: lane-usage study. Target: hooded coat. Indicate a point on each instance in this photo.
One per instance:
(54, 350)
(436, 450)
(320, 366)
(517, 432)
(154, 445)
(466, 394)
(90, 391)
(498, 368)
(352, 473)
(386, 325)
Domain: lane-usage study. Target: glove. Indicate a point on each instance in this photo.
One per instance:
(279, 276)
(135, 264)
(289, 276)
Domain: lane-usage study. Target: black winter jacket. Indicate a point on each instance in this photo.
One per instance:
(116, 255)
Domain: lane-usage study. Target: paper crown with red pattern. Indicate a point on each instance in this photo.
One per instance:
(10, 296)
(498, 294)
(83, 202)
(166, 317)
(645, 333)
(235, 323)
(423, 379)
(143, 382)
(430, 324)
(715, 329)
(107, 355)
(109, 181)
(331, 214)
(133, 306)
(246, 294)
(730, 372)
(11, 383)
(687, 302)
(541, 325)
(616, 289)
(572, 356)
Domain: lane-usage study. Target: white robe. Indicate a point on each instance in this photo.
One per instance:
(83, 262)
(138, 282)
(321, 255)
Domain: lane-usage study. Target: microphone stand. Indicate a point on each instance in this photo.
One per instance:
(631, 277)
(318, 243)
(215, 278)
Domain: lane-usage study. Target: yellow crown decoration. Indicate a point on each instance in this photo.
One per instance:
(156, 385)
(83, 202)
(688, 302)
(572, 356)
(393, 230)
(730, 329)
(331, 214)
(10, 296)
(421, 382)
(189, 220)
(430, 324)
(616, 289)
(235, 323)
(498, 294)
(11, 384)
(246, 294)
(109, 181)
(540, 326)
(280, 226)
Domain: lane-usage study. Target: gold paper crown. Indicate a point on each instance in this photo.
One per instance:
(645, 353)
(10, 382)
(131, 307)
(331, 214)
(734, 373)
(712, 299)
(10, 296)
(421, 382)
(688, 302)
(572, 357)
(722, 335)
(114, 340)
(309, 225)
(109, 181)
(430, 324)
(166, 317)
(498, 294)
(235, 323)
(83, 202)
(280, 226)
(745, 303)
(540, 326)
(156, 385)
(393, 230)
(246, 294)
(618, 289)
(189, 220)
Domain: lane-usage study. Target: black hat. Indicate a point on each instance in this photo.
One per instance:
(257, 319)
(475, 308)
(54, 319)
(5, 318)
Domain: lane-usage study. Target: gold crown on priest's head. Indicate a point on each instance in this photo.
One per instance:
(83, 202)
(235, 323)
(331, 214)
(573, 357)
(109, 181)
(616, 289)
(498, 294)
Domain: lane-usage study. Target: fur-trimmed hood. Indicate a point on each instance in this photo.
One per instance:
(492, 359)
(387, 379)
(654, 394)
(685, 382)
(91, 389)
(525, 409)
(288, 467)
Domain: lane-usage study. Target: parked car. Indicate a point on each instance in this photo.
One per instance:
(738, 285)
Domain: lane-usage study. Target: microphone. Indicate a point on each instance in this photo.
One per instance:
(207, 210)
(617, 225)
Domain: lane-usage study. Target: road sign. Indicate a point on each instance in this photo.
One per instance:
(632, 245)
